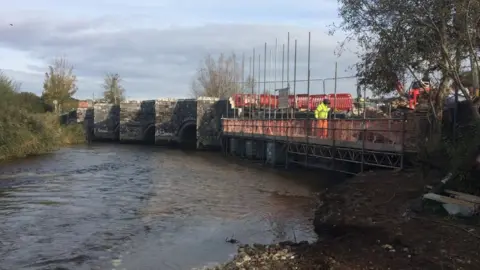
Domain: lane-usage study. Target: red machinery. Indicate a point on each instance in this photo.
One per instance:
(341, 102)
(417, 88)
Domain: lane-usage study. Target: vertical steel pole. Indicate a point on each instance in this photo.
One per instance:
(234, 58)
(283, 64)
(364, 126)
(403, 141)
(288, 60)
(264, 76)
(244, 96)
(335, 88)
(364, 103)
(269, 86)
(259, 58)
(253, 93)
(334, 121)
(455, 113)
(243, 88)
(231, 93)
(253, 84)
(295, 75)
(265, 69)
(308, 68)
(283, 72)
(243, 73)
(288, 91)
(288, 70)
(275, 75)
(275, 65)
(308, 124)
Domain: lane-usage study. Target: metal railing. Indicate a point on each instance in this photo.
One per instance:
(378, 134)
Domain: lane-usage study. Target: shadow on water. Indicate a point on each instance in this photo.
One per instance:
(142, 207)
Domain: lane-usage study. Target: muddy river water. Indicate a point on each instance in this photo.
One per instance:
(110, 206)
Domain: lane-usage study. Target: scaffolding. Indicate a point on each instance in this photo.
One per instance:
(263, 117)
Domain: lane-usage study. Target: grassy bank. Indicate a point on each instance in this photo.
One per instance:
(26, 126)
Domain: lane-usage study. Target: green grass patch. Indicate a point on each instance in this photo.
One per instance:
(26, 128)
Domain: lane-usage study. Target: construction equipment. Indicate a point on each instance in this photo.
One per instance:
(301, 102)
(416, 90)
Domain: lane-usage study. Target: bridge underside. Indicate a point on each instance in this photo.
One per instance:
(346, 145)
(276, 151)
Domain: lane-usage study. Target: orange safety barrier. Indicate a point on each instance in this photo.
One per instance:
(372, 130)
(302, 101)
(341, 102)
(268, 101)
(315, 100)
(83, 104)
(291, 101)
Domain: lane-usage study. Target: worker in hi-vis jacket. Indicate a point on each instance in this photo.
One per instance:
(321, 114)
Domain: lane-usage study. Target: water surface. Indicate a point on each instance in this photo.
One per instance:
(136, 207)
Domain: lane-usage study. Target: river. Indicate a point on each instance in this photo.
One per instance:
(112, 206)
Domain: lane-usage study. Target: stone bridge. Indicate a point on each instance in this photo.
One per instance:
(186, 122)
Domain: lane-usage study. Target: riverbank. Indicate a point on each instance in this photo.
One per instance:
(26, 126)
(365, 223)
(26, 134)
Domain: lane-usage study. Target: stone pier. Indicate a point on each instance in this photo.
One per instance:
(137, 121)
(106, 121)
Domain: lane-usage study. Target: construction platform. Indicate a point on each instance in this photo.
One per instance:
(350, 145)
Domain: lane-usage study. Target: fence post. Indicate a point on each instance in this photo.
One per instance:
(364, 127)
(403, 141)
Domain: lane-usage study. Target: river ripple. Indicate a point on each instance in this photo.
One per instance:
(140, 207)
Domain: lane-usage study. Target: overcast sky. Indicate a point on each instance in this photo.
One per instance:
(157, 45)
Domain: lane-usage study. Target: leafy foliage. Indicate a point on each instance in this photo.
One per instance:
(25, 126)
(60, 82)
(414, 38)
(114, 91)
(411, 37)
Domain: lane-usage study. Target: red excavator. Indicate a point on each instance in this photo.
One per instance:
(417, 88)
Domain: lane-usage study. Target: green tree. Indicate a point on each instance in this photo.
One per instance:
(31, 102)
(411, 38)
(60, 83)
(8, 89)
(113, 89)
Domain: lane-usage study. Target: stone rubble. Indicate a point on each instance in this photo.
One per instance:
(260, 257)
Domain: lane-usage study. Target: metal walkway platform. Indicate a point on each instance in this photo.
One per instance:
(350, 146)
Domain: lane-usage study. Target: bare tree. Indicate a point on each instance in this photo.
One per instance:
(113, 89)
(60, 82)
(220, 77)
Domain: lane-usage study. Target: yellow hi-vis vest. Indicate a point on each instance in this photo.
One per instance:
(322, 111)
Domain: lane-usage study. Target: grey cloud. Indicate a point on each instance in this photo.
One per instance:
(162, 61)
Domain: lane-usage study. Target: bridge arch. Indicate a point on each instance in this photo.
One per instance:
(187, 134)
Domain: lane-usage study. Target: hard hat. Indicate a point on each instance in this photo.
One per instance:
(326, 101)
